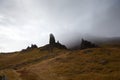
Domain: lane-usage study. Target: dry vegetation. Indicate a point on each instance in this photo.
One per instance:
(89, 64)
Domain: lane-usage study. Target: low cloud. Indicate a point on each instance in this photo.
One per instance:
(23, 22)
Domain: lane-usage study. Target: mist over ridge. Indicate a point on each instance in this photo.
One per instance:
(26, 22)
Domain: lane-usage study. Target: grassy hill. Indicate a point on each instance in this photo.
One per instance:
(90, 64)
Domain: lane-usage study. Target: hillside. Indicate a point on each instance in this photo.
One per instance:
(90, 64)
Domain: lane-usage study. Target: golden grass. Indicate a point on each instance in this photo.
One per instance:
(89, 64)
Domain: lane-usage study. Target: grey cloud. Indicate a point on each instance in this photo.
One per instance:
(30, 21)
(106, 23)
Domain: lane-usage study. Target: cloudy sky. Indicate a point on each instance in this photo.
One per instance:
(25, 22)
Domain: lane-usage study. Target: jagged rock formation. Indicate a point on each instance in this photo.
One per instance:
(87, 44)
(33, 46)
(53, 44)
(57, 44)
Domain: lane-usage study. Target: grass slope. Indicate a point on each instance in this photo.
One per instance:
(90, 64)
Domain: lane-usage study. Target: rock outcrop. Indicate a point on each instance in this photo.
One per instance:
(52, 39)
(53, 44)
(33, 46)
(87, 44)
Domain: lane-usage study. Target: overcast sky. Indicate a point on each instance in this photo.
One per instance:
(23, 22)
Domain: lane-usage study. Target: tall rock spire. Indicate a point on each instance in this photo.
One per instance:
(52, 39)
